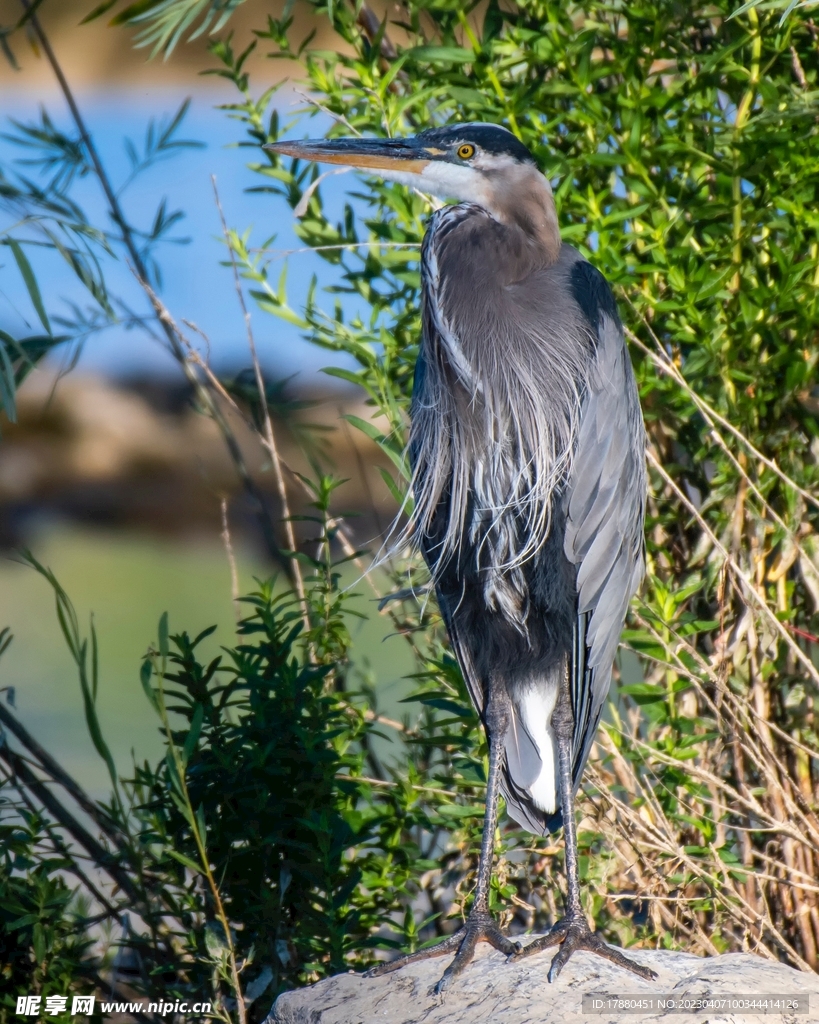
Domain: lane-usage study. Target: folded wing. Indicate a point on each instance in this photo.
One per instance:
(605, 508)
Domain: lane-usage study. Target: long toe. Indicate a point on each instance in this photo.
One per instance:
(584, 938)
(555, 935)
(466, 952)
(573, 933)
(480, 926)
(496, 938)
(448, 945)
(610, 953)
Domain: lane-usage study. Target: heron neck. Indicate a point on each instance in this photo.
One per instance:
(524, 199)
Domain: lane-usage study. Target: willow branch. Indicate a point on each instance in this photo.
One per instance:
(268, 437)
(135, 256)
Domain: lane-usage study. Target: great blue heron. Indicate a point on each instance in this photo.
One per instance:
(528, 454)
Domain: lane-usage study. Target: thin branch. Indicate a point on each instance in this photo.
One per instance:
(205, 395)
(167, 325)
(59, 775)
(231, 557)
(682, 669)
(300, 209)
(715, 435)
(351, 246)
(737, 571)
(368, 20)
(664, 363)
(373, 716)
(340, 118)
(269, 437)
(670, 846)
(391, 784)
(25, 776)
(123, 996)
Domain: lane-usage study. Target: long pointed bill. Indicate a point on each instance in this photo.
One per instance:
(371, 154)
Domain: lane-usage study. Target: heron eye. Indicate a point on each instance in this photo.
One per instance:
(466, 151)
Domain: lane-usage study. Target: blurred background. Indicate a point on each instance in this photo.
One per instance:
(111, 476)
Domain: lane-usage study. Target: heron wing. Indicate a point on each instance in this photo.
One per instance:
(605, 508)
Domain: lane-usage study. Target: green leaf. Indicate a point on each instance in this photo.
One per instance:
(8, 383)
(460, 811)
(387, 445)
(38, 942)
(176, 779)
(184, 859)
(398, 497)
(442, 704)
(145, 674)
(69, 624)
(30, 281)
(98, 11)
(163, 636)
(193, 733)
(353, 378)
(136, 10)
(441, 54)
(201, 825)
(644, 693)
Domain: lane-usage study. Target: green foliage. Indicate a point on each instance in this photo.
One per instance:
(682, 145)
(42, 213)
(259, 817)
(163, 23)
(44, 940)
(267, 749)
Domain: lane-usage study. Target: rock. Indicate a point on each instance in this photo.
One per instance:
(492, 991)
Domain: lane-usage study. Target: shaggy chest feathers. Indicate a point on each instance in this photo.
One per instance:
(505, 359)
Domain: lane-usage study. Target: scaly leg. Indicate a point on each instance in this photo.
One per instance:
(480, 926)
(572, 931)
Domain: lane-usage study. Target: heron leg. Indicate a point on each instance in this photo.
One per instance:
(572, 931)
(480, 926)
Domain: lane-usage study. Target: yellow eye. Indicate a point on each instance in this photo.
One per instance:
(466, 151)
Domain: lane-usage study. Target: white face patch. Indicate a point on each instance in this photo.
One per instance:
(444, 181)
(454, 181)
(467, 182)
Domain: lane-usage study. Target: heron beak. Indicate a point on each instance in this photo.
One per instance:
(366, 154)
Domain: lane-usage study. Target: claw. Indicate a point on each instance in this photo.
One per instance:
(480, 927)
(571, 933)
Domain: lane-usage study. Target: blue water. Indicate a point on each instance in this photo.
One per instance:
(194, 285)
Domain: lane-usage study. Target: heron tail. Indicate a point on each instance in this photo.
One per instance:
(529, 781)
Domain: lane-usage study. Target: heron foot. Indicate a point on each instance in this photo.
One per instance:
(480, 927)
(571, 933)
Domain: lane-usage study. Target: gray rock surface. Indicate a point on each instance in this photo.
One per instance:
(491, 991)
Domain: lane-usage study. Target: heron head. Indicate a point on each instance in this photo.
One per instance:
(477, 163)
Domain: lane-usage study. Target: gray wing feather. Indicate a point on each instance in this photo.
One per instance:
(605, 505)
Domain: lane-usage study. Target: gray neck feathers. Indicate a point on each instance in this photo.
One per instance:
(494, 419)
(520, 196)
